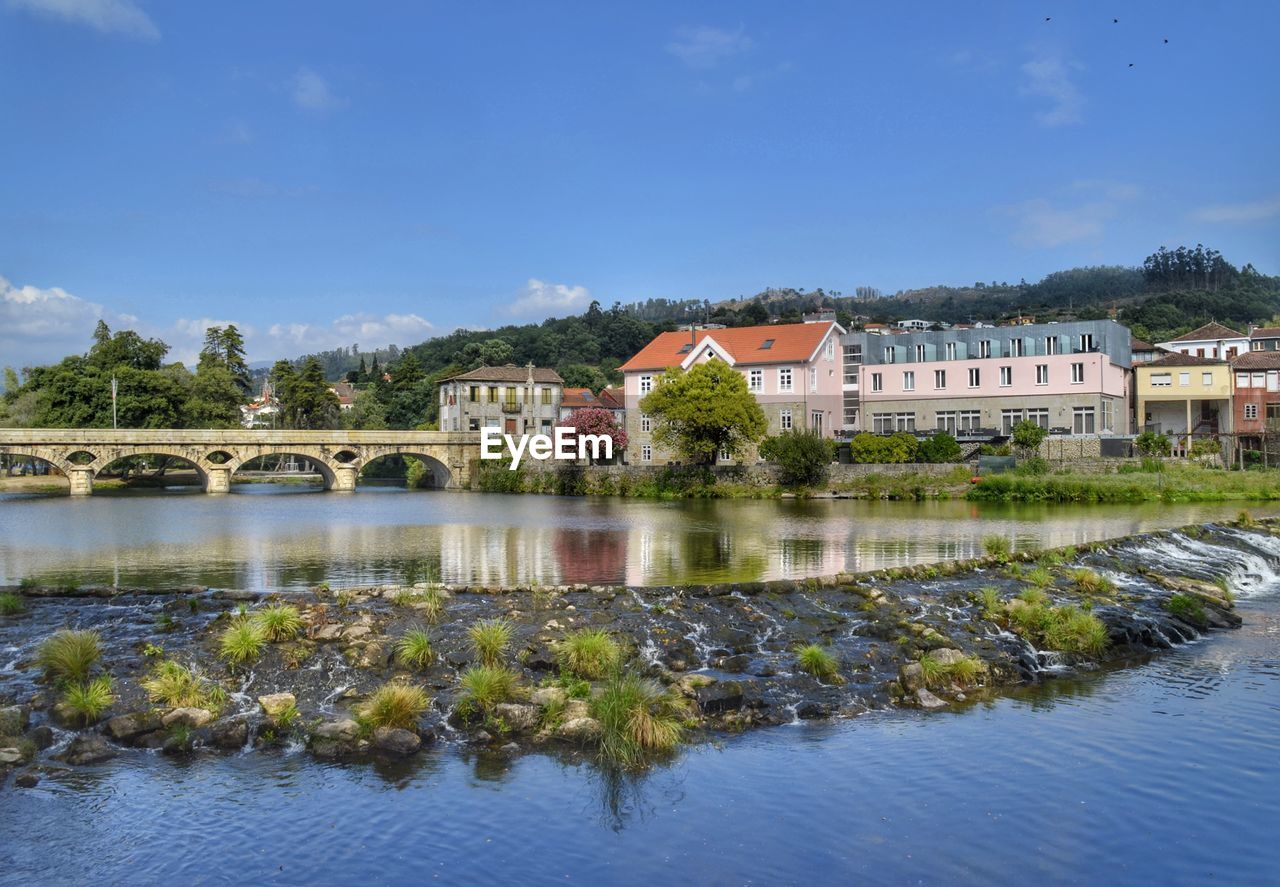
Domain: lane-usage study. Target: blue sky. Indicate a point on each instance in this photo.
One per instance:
(325, 173)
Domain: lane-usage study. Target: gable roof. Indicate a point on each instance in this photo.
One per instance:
(508, 373)
(1266, 332)
(1257, 360)
(577, 398)
(1178, 359)
(743, 345)
(612, 398)
(1210, 332)
(1139, 345)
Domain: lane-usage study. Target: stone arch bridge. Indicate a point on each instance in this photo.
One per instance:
(216, 455)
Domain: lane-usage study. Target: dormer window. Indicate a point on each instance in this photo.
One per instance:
(767, 344)
(686, 348)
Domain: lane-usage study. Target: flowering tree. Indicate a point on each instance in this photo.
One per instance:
(595, 420)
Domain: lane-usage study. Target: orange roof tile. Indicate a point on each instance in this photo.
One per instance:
(789, 343)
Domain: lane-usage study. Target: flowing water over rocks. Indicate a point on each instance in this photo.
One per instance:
(929, 637)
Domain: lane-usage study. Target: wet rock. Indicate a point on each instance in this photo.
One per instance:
(276, 704)
(519, 717)
(721, 696)
(689, 685)
(811, 709)
(541, 657)
(511, 748)
(735, 640)
(178, 743)
(396, 741)
(345, 730)
(947, 656)
(65, 716)
(27, 779)
(230, 733)
(355, 632)
(11, 755)
(911, 676)
(13, 720)
(576, 708)
(188, 717)
(41, 737)
(548, 696)
(735, 664)
(583, 729)
(928, 701)
(87, 748)
(328, 632)
(481, 737)
(126, 728)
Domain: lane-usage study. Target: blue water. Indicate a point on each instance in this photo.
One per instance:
(1168, 771)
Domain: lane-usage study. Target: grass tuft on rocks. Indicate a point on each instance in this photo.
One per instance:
(69, 655)
(590, 653)
(997, 546)
(11, 604)
(175, 686)
(89, 699)
(817, 661)
(487, 685)
(279, 622)
(396, 705)
(413, 649)
(638, 718)
(1091, 582)
(489, 640)
(242, 642)
(1188, 609)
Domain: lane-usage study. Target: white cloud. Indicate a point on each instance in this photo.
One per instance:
(1049, 77)
(705, 47)
(42, 325)
(549, 299)
(311, 92)
(367, 330)
(108, 16)
(1040, 224)
(1239, 213)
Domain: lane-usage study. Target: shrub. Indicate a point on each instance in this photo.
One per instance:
(1188, 609)
(997, 546)
(395, 705)
(942, 447)
(489, 640)
(1151, 444)
(815, 660)
(242, 642)
(89, 699)
(281, 622)
(413, 649)
(1027, 437)
(487, 685)
(590, 653)
(11, 604)
(1205, 447)
(69, 655)
(882, 449)
(637, 717)
(802, 456)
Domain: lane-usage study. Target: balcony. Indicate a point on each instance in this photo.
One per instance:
(511, 406)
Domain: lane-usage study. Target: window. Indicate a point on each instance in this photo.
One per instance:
(852, 360)
(474, 393)
(1242, 380)
(646, 424)
(1006, 377)
(975, 377)
(512, 395)
(1042, 374)
(889, 354)
(724, 455)
(831, 347)
(815, 421)
(493, 394)
(1018, 348)
(1184, 379)
(877, 382)
(947, 421)
(546, 395)
(939, 379)
(646, 384)
(909, 381)
(950, 350)
(755, 380)
(1259, 380)
(784, 420)
(1161, 380)
(766, 344)
(1077, 373)
(1039, 415)
(1051, 345)
(984, 348)
(970, 420)
(646, 453)
(920, 350)
(882, 423)
(1206, 379)
(784, 379)
(813, 378)
(1108, 416)
(1082, 420)
(1251, 411)
(1008, 419)
(473, 424)
(904, 421)
(1086, 342)
(851, 411)
(1273, 414)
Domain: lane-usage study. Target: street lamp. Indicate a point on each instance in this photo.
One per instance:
(114, 388)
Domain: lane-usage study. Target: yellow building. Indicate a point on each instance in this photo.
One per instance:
(1183, 396)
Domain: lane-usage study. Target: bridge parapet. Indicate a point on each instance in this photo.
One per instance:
(81, 454)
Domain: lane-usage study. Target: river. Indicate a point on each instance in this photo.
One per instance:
(1163, 771)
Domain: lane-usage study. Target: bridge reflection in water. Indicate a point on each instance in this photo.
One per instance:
(338, 456)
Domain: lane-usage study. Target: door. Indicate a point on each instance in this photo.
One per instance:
(511, 426)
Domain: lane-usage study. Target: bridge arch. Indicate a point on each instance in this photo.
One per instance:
(437, 461)
(320, 462)
(100, 465)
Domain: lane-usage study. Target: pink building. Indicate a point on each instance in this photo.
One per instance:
(792, 369)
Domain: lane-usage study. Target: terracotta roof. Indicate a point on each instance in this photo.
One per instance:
(1210, 332)
(612, 398)
(1266, 332)
(1177, 359)
(577, 398)
(1257, 360)
(508, 373)
(1139, 345)
(773, 343)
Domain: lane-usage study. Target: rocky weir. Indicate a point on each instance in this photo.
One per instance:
(333, 672)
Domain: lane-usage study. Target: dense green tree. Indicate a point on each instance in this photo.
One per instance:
(803, 457)
(704, 411)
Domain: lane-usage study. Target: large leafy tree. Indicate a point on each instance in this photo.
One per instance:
(306, 400)
(703, 411)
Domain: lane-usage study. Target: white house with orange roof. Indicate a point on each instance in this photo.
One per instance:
(792, 369)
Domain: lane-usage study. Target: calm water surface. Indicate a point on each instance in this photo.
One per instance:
(280, 538)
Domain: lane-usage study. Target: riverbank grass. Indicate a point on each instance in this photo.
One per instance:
(279, 622)
(489, 640)
(484, 686)
(174, 685)
(413, 649)
(11, 604)
(242, 642)
(89, 699)
(590, 653)
(638, 717)
(70, 655)
(395, 705)
(817, 661)
(1188, 609)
